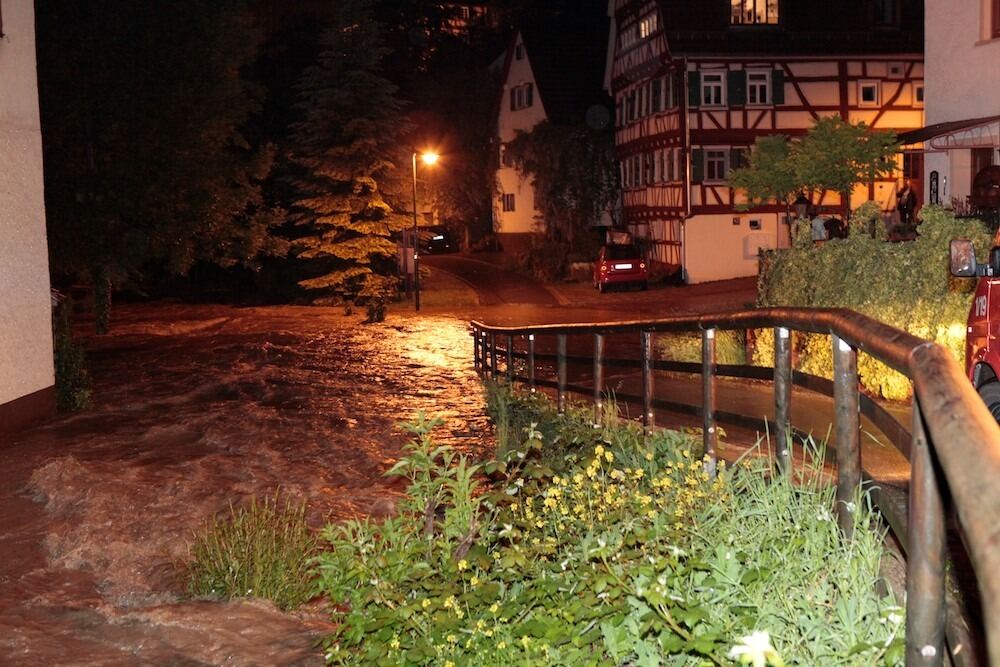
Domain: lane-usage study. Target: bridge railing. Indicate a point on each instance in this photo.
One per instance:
(953, 445)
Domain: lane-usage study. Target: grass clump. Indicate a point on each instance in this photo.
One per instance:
(730, 347)
(261, 550)
(619, 553)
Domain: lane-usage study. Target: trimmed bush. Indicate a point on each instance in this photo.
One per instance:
(906, 285)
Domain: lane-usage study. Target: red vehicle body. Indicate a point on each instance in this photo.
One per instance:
(619, 264)
(982, 349)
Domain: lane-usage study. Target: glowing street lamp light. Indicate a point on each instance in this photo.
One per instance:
(428, 158)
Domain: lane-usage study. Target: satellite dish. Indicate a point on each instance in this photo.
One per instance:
(598, 117)
(986, 188)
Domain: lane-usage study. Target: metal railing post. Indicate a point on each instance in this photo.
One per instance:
(848, 430)
(531, 361)
(510, 358)
(561, 373)
(646, 350)
(475, 349)
(598, 379)
(926, 554)
(484, 360)
(493, 356)
(709, 435)
(783, 397)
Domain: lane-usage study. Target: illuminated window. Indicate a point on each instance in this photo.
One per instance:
(754, 12)
(868, 94)
(712, 90)
(758, 87)
(508, 202)
(647, 25)
(715, 165)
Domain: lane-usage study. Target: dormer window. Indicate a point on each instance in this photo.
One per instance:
(754, 12)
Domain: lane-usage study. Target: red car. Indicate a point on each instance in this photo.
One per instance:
(619, 264)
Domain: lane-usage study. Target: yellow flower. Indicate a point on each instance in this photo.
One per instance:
(555, 479)
(463, 565)
(502, 645)
(474, 581)
(494, 608)
(649, 456)
(395, 642)
(489, 632)
(426, 603)
(459, 613)
(598, 450)
(451, 640)
(449, 663)
(450, 602)
(609, 457)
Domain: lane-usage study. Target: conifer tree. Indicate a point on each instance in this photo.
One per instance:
(342, 159)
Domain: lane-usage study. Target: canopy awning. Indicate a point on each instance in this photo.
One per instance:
(969, 133)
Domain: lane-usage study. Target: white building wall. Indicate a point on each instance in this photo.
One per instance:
(962, 81)
(25, 320)
(717, 249)
(509, 123)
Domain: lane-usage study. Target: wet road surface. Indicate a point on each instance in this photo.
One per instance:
(493, 284)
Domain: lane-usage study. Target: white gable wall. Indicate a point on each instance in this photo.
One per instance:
(25, 320)
(510, 181)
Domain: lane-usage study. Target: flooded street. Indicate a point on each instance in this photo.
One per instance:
(197, 407)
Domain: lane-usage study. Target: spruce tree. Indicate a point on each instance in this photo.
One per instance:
(343, 155)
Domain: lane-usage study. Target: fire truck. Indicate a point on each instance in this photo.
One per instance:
(982, 351)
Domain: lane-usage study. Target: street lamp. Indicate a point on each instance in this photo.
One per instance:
(429, 158)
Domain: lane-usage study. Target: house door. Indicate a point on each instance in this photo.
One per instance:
(913, 171)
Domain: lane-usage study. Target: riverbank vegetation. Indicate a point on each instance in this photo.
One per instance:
(583, 545)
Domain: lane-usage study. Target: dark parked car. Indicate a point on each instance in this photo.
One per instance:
(619, 264)
(434, 240)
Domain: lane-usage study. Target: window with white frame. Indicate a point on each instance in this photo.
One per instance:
(754, 12)
(712, 90)
(758, 87)
(716, 160)
(522, 96)
(868, 94)
(508, 202)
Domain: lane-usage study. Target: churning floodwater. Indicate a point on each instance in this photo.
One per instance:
(195, 408)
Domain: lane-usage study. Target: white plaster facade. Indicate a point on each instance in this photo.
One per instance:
(963, 82)
(25, 321)
(513, 118)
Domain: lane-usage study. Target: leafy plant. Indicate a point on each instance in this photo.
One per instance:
(72, 378)
(261, 550)
(906, 285)
(625, 552)
(730, 347)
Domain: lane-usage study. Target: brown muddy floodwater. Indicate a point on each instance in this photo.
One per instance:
(197, 407)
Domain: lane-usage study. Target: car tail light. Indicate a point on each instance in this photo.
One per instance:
(604, 267)
(642, 265)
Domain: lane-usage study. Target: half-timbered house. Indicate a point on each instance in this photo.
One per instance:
(695, 82)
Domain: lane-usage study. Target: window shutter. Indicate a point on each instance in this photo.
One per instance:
(513, 104)
(694, 89)
(736, 82)
(778, 86)
(529, 94)
(697, 165)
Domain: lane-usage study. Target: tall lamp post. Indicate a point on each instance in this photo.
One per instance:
(427, 158)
